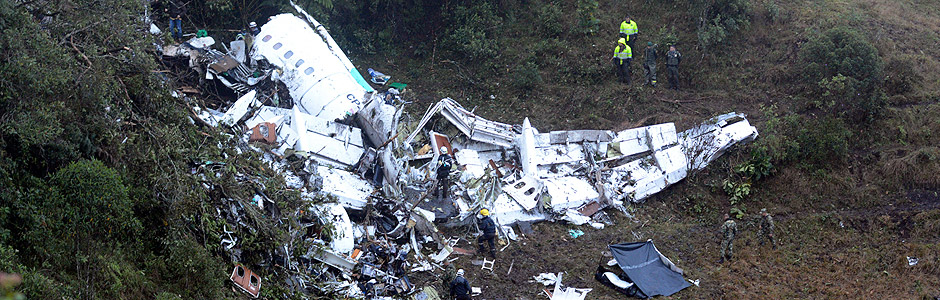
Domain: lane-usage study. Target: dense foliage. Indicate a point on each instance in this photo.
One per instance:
(847, 72)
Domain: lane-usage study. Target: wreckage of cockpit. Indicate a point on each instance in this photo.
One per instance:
(301, 98)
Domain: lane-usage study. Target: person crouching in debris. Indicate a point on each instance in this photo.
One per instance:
(766, 230)
(444, 163)
(489, 232)
(460, 287)
(450, 273)
(728, 230)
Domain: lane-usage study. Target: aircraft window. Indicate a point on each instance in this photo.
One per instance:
(288, 54)
(299, 62)
(308, 71)
(266, 38)
(277, 46)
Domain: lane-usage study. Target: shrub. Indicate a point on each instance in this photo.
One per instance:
(526, 76)
(720, 19)
(846, 74)
(470, 32)
(824, 141)
(587, 16)
(900, 76)
(550, 23)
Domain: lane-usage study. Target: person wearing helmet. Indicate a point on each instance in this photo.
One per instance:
(460, 287)
(444, 163)
(489, 232)
(766, 231)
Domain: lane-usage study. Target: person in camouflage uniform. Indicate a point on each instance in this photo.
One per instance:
(450, 273)
(766, 230)
(728, 230)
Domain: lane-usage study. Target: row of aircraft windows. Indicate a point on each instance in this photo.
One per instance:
(288, 54)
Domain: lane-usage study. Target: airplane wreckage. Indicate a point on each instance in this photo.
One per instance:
(359, 147)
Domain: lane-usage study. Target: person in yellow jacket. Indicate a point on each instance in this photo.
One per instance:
(623, 55)
(628, 31)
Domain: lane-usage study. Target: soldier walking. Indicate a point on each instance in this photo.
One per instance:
(728, 230)
(766, 230)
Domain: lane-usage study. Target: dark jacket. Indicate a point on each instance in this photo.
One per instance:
(459, 287)
(673, 58)
(175, 8)
(650, 54)
(444, 163)
(488, 226)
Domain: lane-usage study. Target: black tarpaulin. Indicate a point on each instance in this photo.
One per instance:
(652, 273)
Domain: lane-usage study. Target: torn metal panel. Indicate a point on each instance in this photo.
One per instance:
(527, 153)
(580, 136)
(507, 211)
(336, 260)
(224, 64)
(377, 121)
(238, 50)
(473, 126)
(240, 108)
(327, 142)
(472, 165)
(526, 191)
(569, 192)
(350, 190)
(317, 79)
(246, 280)
(343, 237)
(201, 42)
(706, 142)
(264, 132)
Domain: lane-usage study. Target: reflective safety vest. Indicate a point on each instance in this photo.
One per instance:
(622, 51)
(628, 28)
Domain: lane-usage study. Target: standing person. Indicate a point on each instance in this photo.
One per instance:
(444, 163)
(649, 67)
(623, 55)
(489, 232)
(628, 31)
(460, 287)
(766, 230)
(175, 11)
(673, 58)
(728, 230)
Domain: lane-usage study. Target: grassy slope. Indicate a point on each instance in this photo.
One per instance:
(844, 232)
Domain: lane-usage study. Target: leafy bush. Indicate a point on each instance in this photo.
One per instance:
(824, 141)
(758, 167)
(551, 24)
(721, 19)
(587, 16)
(470, 34)
(846, 71)
(900, 76)
(739, 191)
(526, 76)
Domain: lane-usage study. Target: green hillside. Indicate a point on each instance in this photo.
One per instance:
(108, 191)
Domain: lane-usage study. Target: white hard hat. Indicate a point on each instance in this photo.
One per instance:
(443, 149)
(460, 272)
(252, 24)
